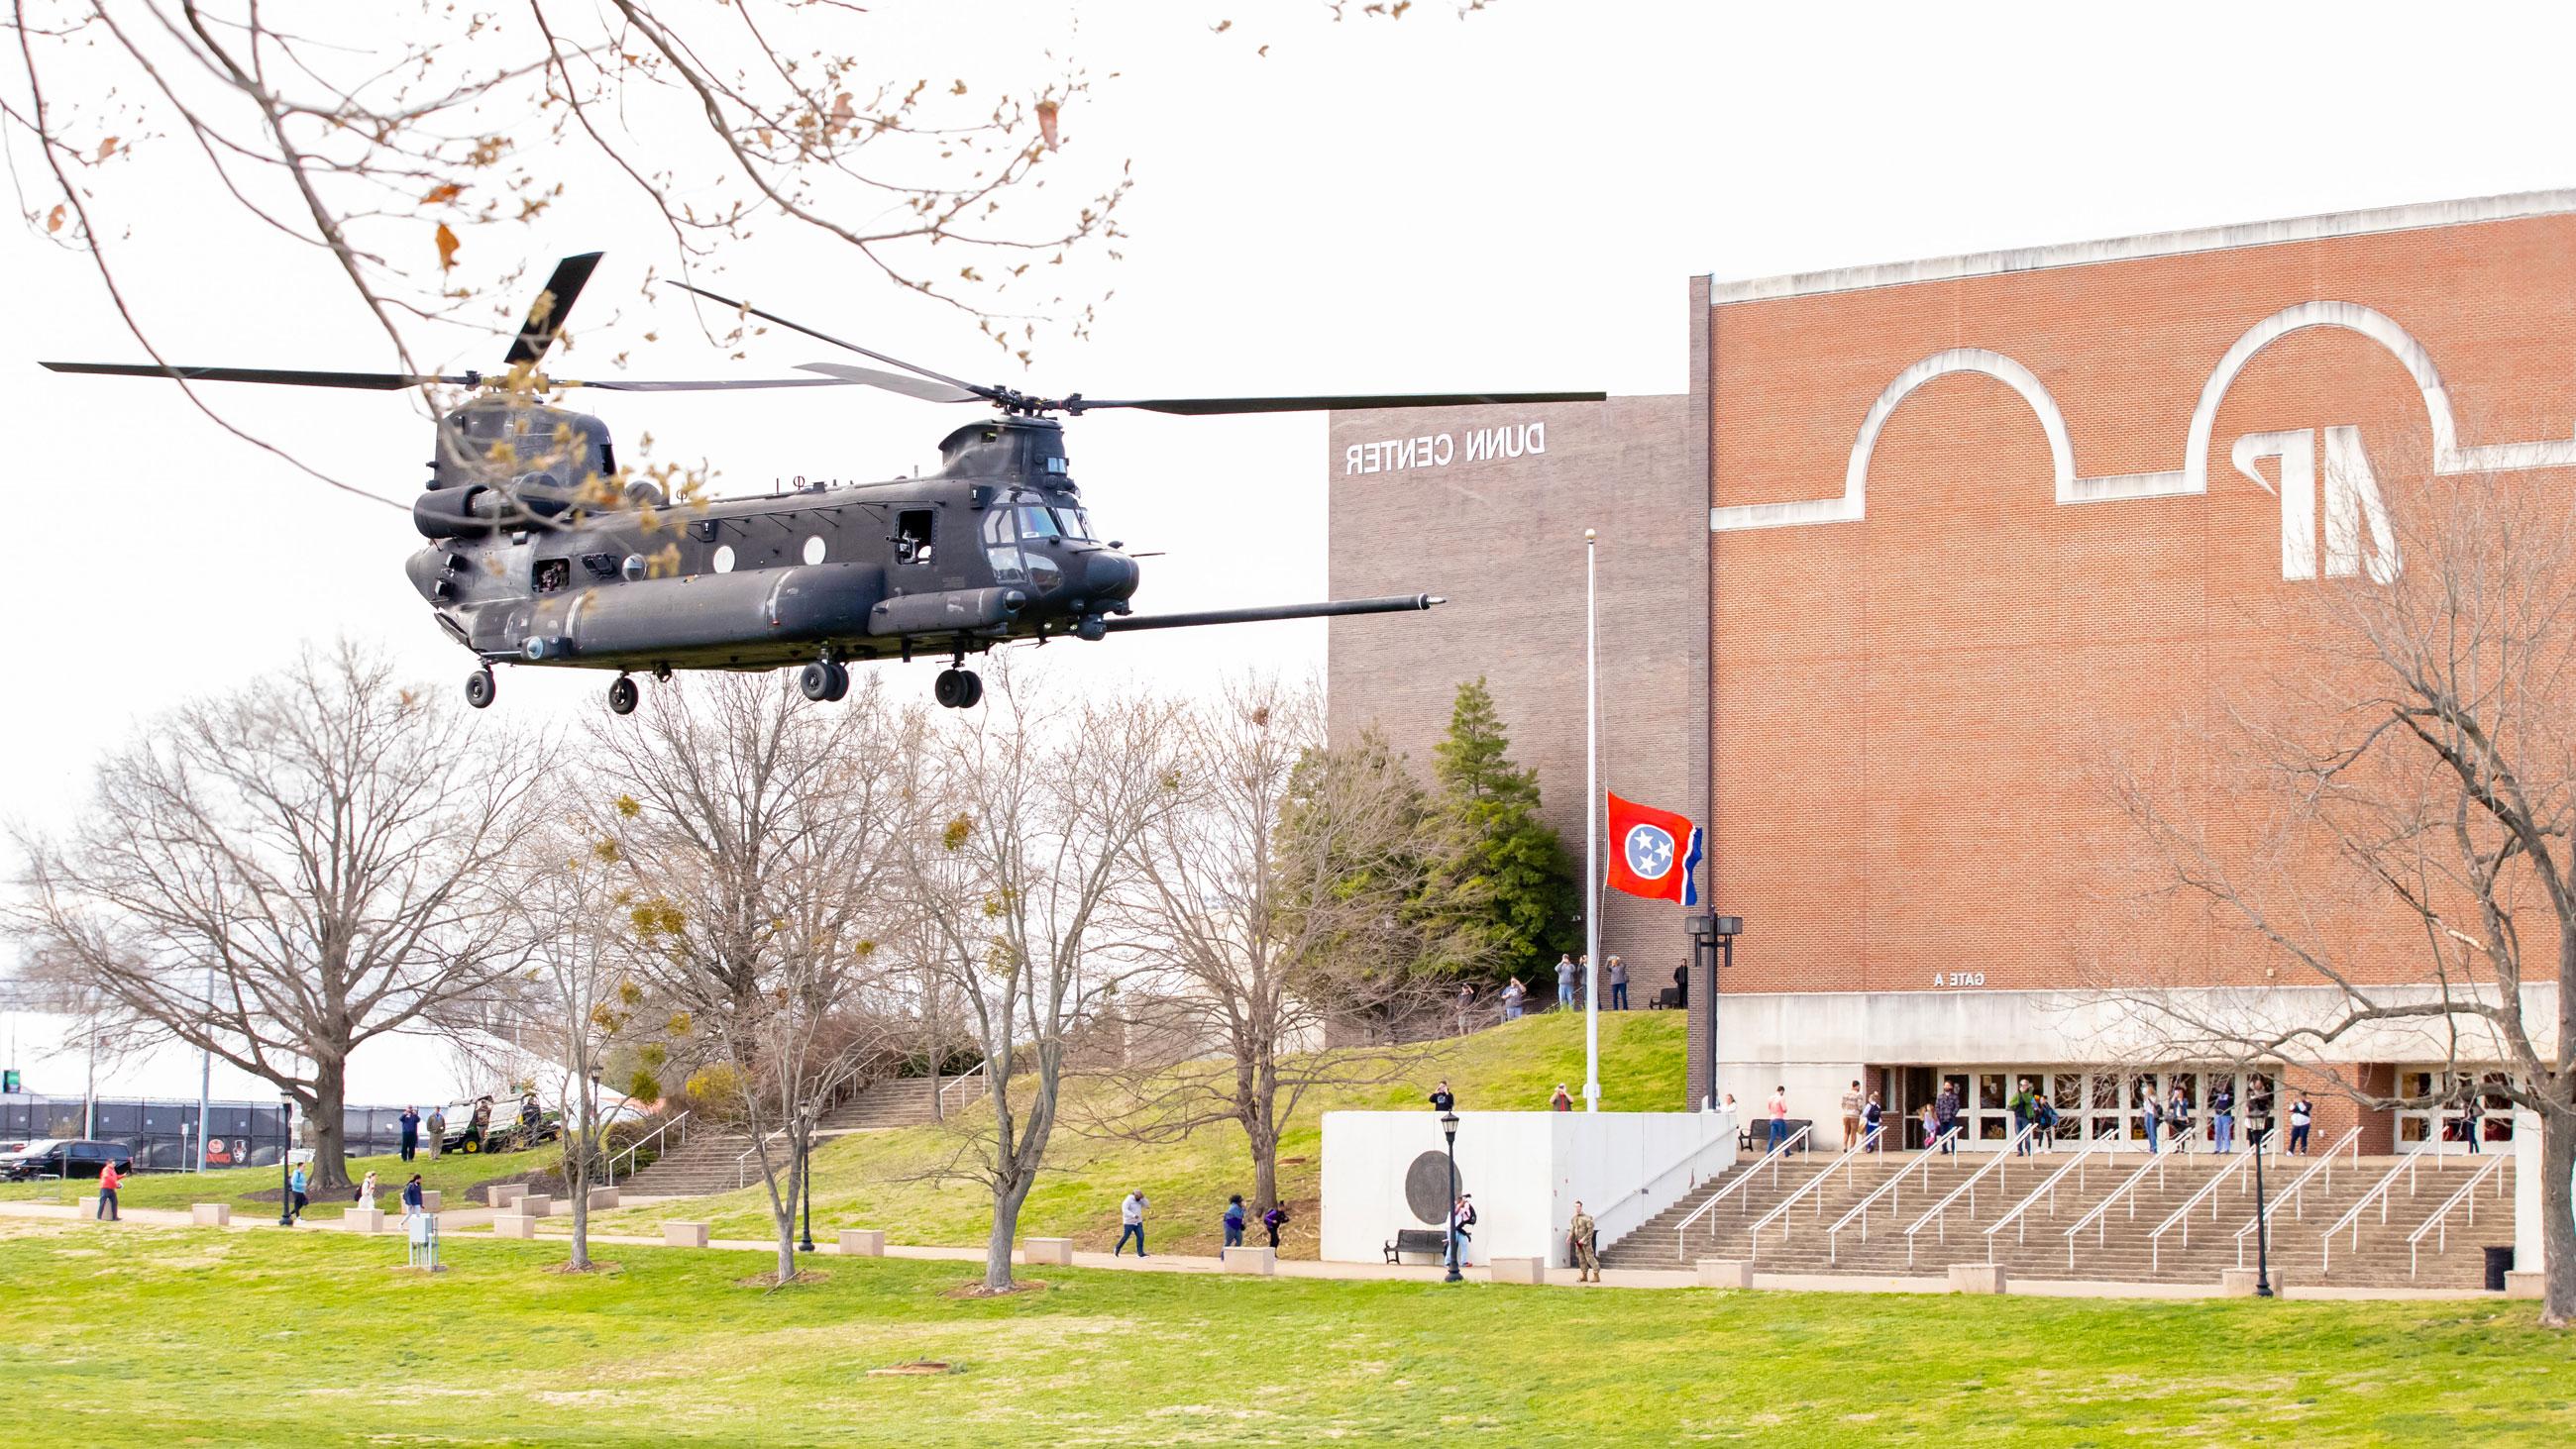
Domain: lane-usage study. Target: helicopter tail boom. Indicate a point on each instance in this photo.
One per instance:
(1393, 604)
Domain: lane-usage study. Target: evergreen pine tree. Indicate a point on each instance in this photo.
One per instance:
(1499, 898)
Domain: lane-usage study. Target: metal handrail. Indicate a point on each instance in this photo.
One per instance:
(2441, 1217)
(1938, 1214)
(953, 1083)
(1770, 1159)
(2018, 1217)
(2126, 1191)
(2181, 1217)
(2298, 1188)
(1753, 1234)
(2378, 1193)
(1613, 1221)
(629, 1153)
(1922, 1162)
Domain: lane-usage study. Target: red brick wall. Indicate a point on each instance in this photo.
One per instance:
(1912, 712)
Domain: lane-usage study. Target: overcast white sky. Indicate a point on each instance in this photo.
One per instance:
(1515, 200)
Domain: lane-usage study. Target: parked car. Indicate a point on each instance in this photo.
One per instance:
(66, 1157)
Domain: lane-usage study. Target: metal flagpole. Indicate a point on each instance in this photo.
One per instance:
(1591, 837)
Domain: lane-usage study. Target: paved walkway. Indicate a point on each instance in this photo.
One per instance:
(480, 1218)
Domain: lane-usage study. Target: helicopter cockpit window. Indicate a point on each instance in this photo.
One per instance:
(1002, 548)
(553, 574)
(1075, 523)
(1038, 523)
(912, 536)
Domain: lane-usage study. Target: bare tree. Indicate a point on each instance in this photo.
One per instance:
(285, 873)
(1030, 813)
(1240, 916)
(2396, 820)
(753, 834)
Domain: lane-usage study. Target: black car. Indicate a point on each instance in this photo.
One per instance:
(64, 1157)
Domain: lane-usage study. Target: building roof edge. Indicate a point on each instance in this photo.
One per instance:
(2154, 244)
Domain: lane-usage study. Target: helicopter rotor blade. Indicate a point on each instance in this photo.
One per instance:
(749, 310)
(546, 315)
(370, 381)
(920, 387)
(1217, 406)
(1392, 604)
(734, 384)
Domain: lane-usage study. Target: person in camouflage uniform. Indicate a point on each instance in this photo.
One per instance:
(1582, 1238)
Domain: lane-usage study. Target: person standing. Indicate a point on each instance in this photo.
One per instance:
(1462, 1216)
(1873, 1123)
(2178, 1119)
(1466, 999)
(1618, 984)
(1513, 995)
(296, 1182)
(1233, 1222)
(2302, 1113)
(411, 1198)
(1583, 1241)
(2222, 1120)
(2025, 1107)
(2047, 1124)
(1779, 1110)
(437, 1131)
(109, 1180)
(410, 1132)
(479, 1126)
(1563, 1101)
(2154, 1112)
(367, 1190)
(1945, 1119)
(1851, 1116)
(1131, 1223)
(1441, 1100)
(1565, 969)
(1275, 1219)
(1681, 984)
(1931, 1125)
(2473, 1105)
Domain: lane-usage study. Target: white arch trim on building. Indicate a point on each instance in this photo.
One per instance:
(2193, 476)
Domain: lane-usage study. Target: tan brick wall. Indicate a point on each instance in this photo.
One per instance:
(1502, 540)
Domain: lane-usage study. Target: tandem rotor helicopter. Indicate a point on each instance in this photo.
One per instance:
(542, 553)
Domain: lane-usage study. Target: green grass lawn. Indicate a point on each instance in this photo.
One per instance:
(451, 1174)
(882, 1179)
(184, 1336)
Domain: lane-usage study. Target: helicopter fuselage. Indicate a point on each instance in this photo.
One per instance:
(995, 546)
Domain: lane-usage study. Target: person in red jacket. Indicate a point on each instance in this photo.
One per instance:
(109, 1180)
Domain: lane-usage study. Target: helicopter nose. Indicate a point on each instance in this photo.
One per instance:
(424, 569)
(1108, 575)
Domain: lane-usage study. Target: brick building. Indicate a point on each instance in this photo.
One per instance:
(1921, 549)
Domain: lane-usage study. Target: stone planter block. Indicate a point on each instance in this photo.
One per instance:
(362, 1220)
(428, 1199)
(602, 1198)
(514, 1225)
(1976, 1277)
(867, 1243)
(2524, 1282)
(89, 1207)
(684, 1235)
(536, 1205)
(1517, 1270)
(1725, 1273)
(1056, 1251)
(2241, 1282)
(506, 1193)
(1263, 1262)
(210, 1214)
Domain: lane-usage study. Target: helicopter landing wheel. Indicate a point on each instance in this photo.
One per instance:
(622, 696)
(958, 688)
(822, 681)
(479, 689)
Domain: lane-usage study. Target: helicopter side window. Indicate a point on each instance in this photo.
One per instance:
(1002, 548)
(553, 574)
(913, 542)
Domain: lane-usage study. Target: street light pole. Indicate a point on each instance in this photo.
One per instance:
(2262, 1232)
(805, 1182)
(285, 1166)
(1449, 1130)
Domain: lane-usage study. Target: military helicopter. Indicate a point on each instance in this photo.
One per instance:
(543, 552)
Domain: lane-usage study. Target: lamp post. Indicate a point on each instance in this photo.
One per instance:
(1449, 1130)
(2262, 1233)
(285, 1164)
(1713, 944)
(805, 1183)
(590, 1134)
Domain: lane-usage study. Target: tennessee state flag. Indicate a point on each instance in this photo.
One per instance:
(1653, 853)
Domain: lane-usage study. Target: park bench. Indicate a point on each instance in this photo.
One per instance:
(1430, 1242)
(1756, 1135)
